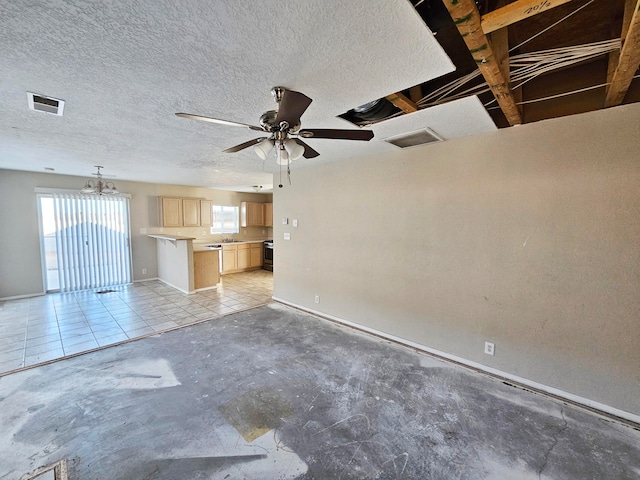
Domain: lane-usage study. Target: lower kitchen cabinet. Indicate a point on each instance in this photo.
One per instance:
(206, 271)
(240, 257)
(229, 258)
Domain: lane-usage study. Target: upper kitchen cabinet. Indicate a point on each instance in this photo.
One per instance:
(191, 212)
(171, 212)
(206, 213)
(186, 212)
(268, 214)
(251, 214)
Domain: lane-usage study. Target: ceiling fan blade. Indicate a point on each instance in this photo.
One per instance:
(337, 134)
(308, 151)
(216, 120)
(292, 106)
(244, 145)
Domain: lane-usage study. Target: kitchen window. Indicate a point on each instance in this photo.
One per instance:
(226, 219)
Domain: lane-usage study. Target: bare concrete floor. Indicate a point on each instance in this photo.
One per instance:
(273, 393)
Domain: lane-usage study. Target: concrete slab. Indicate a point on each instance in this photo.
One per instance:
(276, 393)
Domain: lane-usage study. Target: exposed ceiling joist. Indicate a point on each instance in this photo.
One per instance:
(516, 11)
(629, 58)
(402, 102)
(466, 17)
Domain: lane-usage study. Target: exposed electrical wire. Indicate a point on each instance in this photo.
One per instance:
(564, 94)
(524, 68)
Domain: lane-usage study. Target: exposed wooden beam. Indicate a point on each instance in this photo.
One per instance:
(516, 11)
(628, 59)
(466, 16)
(402, 102)
(415, 93)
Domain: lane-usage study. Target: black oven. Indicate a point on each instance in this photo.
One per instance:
(267, 261)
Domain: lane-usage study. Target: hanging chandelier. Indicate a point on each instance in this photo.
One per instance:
(99, 186)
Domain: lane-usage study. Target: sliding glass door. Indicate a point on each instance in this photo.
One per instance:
(85, 241)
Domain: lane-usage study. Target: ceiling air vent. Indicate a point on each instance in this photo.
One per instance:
(412, 139)
(40, 103)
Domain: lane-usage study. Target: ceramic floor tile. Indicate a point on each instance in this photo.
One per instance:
(43, 357)
(102, 341)
(164, 326)
(40, 323)
(42, 331)
(77, 339)
(11, 365)
(138, 332)
(44, 339)
(43, 347)
(12, 355)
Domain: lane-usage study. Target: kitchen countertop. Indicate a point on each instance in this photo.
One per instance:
(204, 246)
(171, 237)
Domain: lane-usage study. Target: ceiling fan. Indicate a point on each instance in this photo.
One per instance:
(282, 127)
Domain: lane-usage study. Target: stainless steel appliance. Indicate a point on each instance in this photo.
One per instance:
(267, 262)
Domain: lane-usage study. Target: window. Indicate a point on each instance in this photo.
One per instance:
(225, 219)
(85, 241)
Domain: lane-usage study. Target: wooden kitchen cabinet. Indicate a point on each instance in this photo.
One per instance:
(256, 255)
(186, 212)
(244, 256)
(240, 257)
(206, 213)
(171, 212)
(229, 258)
(251, 214)
(268, 214)
(190, 212)
(206, 271)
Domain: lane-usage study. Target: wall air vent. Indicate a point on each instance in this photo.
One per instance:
(40, 103)
(413, 139)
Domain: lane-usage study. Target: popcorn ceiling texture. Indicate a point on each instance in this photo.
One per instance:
(125, 67)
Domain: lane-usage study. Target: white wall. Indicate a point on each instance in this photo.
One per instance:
(20, 258)
(528, 237)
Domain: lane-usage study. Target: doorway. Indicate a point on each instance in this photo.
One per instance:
(85, 241)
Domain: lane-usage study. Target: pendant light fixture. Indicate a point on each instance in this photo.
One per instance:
(99, 186)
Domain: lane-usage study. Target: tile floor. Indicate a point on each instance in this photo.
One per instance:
(39, 329)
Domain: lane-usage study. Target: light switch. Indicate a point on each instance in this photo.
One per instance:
(287, 236)
(285, 221)
(143, 231)
(294, 222)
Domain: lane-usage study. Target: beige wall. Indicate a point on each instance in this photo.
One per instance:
(20, 260)
(528, 238)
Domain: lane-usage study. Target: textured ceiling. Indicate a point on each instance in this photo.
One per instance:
(125, 67)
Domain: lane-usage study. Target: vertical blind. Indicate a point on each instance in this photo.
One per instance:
(92, 241)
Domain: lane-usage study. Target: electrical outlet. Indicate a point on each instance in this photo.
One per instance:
(489, 348)
(143, 231)
(287, 236)
(144, 271)
(317, 298)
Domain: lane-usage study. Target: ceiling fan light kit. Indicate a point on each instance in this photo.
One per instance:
(283, 127)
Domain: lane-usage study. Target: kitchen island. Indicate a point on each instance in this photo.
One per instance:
(186, 267)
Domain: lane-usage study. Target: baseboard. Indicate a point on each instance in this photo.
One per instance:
(145, 280)
(186, 292)
(591, 405)
(18, 297)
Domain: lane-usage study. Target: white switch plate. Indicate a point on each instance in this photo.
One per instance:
(317, 298)
(287, 236)
(489, 348)
(294, 222)
(285, 221)
(144, 271)
(143, 231)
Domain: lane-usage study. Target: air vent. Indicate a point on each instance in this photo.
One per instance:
(40, 103)
(412, 139)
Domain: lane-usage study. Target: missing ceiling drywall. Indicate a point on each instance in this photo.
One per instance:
(40, 103)
(371, 112)
(413, 139)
